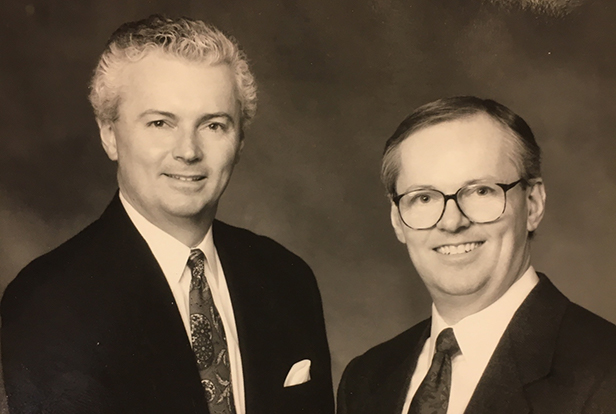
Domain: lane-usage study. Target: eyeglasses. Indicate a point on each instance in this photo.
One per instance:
(480, 203)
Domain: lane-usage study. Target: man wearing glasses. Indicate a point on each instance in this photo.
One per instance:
(464, 179)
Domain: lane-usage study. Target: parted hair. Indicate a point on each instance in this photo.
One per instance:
(527, 152)
(182, 37)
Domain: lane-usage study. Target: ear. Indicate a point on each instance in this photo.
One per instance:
(535, 202)
(239, 150)
(108, 139)
(397, 223)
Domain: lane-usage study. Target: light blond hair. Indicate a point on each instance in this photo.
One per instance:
(185, 38)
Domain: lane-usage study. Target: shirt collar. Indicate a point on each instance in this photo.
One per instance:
(478, 334)
(171, 254)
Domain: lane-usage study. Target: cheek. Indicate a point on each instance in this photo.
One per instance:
(136, 151)
(143, 161)
(417, 244)
(223, 158)
(518, 230)
(511, 243)
(512, 230)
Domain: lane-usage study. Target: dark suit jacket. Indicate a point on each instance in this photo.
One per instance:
(92, 327)
(554, 358)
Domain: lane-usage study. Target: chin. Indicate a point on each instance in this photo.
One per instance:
(188, 210)
(460, 291)
(461, 284)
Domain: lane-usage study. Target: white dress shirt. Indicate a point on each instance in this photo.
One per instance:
(172, 256)
(477, 335)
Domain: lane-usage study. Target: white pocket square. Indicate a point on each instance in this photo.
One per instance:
(298, 374)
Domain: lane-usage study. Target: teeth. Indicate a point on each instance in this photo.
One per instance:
(458, 248)
(184, 178)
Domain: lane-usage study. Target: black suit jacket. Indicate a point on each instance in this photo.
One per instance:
(554, 358)
(92, 327)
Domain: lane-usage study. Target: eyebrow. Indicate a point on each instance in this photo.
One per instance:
(431, 187)
(200, 121)
(157, 112)
(208, 117)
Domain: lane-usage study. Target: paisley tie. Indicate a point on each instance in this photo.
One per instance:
(432, 396)
(208, 340)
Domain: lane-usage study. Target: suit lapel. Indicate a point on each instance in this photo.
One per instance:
(388, 391)
(141, 275)
(401, 375)
(523, 356)
(250, 298)
(157, 330)
(500, 389)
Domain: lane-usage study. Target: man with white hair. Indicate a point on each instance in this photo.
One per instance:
(157, 307)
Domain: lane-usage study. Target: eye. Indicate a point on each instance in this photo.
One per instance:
(422, 198)
(216, 126)
(159, 123)
(484, 190)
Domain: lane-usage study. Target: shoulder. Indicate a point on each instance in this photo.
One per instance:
(68, 268)
(270, 265)
(579, 330)
(53, 294)
(239, 238)
(582, 346)
(546, 308)
(584, 353)
(583, 330)
(579, 336)
(239, 241)
(381, 374)
(381, 359)
(68, 254)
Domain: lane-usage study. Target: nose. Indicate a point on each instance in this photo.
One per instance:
(452, 220)
(187, 147)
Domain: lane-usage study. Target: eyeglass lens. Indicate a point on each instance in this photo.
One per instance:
(480, 203)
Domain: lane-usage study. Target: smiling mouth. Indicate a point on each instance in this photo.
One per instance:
(449, 249)
(187, 178)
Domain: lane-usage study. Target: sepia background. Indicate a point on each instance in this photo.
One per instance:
(335, 78)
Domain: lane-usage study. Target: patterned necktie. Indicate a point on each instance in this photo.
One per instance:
(208, 340)
(432, 396)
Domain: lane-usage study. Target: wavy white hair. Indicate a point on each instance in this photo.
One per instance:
(182, 37)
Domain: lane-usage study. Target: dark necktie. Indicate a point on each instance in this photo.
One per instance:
(432, 396)
(208, 340)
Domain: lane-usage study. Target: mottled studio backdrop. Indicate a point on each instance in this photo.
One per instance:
(336, 77)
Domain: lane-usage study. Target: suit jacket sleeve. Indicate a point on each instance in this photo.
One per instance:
(345, 390)
(46, 363)
(323, 374)
(603, 400)
(279, 317)
(316, 339)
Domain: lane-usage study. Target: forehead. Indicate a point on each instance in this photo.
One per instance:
(163, 79)
(452, 153)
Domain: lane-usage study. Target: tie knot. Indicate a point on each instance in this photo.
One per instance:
(446, 342)
(196, 259)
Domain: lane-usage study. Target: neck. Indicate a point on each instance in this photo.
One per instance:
(453, 312)
(454, 308)
(189, 230)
